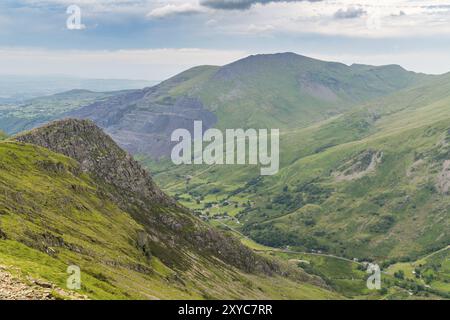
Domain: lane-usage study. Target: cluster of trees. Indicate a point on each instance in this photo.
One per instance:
(268, 234)
(383, 224)
(249, 187)
(314, 193)
(400, 274)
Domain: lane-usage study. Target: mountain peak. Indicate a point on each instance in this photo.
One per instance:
(97, 154)
(274, 58)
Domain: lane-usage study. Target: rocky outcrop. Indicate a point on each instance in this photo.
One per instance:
(142, 121)
(363, 164)
(443, 180)
(97, 155)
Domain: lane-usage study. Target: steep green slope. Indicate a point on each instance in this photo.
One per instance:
(104, 214)
(287, 90)
(394, 206)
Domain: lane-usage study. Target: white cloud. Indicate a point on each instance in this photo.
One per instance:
(176, 9)
(349, 13)
(264, 28)
(99, 6)
(394, 18)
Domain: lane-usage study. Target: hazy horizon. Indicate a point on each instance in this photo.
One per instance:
(178, 69)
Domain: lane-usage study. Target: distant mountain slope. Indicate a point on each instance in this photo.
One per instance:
(101, 211)
(289, 90)
(276, 91)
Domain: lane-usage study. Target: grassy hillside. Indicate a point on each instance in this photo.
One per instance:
(365, 176)
(289, 91)
(285, 90)
(55, 213)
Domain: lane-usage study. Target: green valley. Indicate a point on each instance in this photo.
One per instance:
(370, 184)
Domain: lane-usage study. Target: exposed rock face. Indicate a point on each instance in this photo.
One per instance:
(359, 166)
(443, 183)
(142, 121)
(98, 155)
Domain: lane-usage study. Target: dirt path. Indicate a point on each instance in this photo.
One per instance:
(436, 252)
(12, 288)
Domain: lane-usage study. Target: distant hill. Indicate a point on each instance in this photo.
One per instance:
(35, 112)
(16, 89)
(29, 101)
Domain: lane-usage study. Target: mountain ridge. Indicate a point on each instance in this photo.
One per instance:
(283, 90)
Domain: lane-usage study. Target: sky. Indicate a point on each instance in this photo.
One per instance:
(155, 39)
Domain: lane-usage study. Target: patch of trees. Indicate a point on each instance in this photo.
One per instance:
(214, 191)
(314, 193)
(253, 182)
(270, 235)
(309, 222)
(289, 201)
(400, 274)
(324, 147)
(250, 186)
(383, 224)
